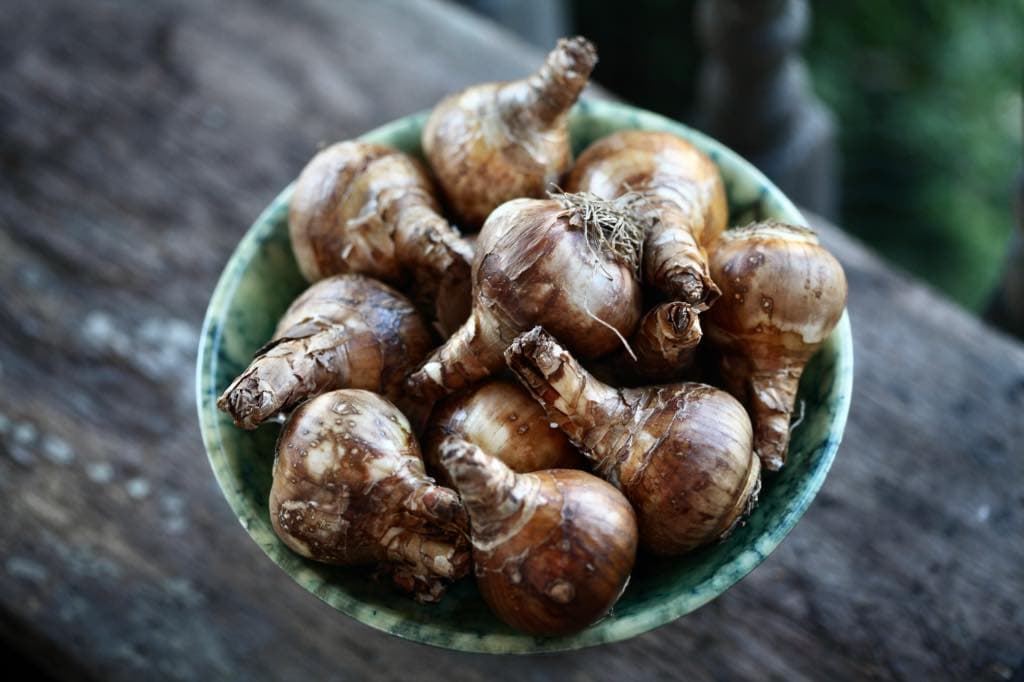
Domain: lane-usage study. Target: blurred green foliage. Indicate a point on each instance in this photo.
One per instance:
(927, 99)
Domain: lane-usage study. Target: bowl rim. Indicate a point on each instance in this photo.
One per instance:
(725, 576)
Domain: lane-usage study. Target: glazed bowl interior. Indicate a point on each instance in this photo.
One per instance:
(262, 278)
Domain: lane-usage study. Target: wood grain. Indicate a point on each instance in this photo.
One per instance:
(137, 144)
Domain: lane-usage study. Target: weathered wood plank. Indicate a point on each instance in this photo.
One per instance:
(136, 146)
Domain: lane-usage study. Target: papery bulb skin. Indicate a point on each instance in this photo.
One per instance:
(535, 264)
(350, 489)
(552, 550)
(495, 142)
(680, 453)
(370, 209)
(661, 350)
(500, 418)
(684, 198)
(782, 295)
(346, 331)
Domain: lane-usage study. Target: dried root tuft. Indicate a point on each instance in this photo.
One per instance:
(616, 227)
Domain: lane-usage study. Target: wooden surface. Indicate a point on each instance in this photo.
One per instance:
(138, 142)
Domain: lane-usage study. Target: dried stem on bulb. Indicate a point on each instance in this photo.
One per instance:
(346, 331)
(504, 421)
(661, 350)
(545, 262)
(552, 550)
(350, 489)
(495, 142)
(782, 295)
(369, 209)
(684, 201)
(681, 453)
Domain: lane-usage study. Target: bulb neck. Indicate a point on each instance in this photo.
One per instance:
(547, 94)
(587, 410)
(469, 355)
(498, 500)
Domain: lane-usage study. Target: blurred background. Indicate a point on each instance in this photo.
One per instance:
(925, 103)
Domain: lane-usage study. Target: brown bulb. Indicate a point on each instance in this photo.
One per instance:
(682, 193)
(346, 331)
(500, 418)
(681, 453)
(552, 550)
(564, 264)
(350, 489)
(369, 209)
(495, 142)
(782, 295)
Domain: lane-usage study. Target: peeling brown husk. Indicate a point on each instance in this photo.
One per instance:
(349, 489)
(502, 419)
(501, 502)
(499, 141)
(534, 265)
(684, 204)
(369, 209)
(552, 550)
(681, 453)
(663, 348)
(346, 331)
(783, 294)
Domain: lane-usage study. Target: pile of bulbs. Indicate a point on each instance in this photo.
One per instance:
(549, 365)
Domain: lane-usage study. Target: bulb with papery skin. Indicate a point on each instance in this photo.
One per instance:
(369, 209)
(552, 550)
(683, 196)
(681, 453)
(346, 331)
(495, 142)
(350, 489)
(544, 262)
(501, 418)
(782, 295)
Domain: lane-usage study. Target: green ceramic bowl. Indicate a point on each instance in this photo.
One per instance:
(262, 278)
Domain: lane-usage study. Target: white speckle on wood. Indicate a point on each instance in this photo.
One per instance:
(137, 488)
(100, 332)
(57, 450)
(982, 513)
(172, 504)
(161, 348)
(182, 590)
(21, 455)
(100, 472)
(24, 433)
(26, 569)
(175, 525)
(173, 518)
